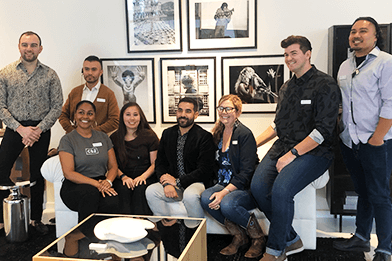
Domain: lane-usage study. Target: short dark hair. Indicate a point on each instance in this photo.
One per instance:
(224, 4)
(93, 58)
(128, 73)
(380, 39)
(31, 33)
(190, 100)
(88, 102)
(304, 43)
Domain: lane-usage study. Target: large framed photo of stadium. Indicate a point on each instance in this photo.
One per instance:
(255, 79)
(153, 26)
(229, 24)
(132, 80)
(188, 77)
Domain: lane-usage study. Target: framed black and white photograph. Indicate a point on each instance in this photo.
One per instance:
(132, 80)
(188, 77)
(255, 79)
(153, 26)
(228, 24)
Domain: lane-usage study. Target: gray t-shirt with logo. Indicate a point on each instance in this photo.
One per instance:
(90, 154)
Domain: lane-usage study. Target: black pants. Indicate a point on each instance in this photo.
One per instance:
(11, 147)
(86, 199)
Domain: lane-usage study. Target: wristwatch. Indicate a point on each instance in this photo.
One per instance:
(294, 151)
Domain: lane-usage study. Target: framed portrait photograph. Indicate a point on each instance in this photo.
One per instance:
(255, 79)
(153, 26)
(132, 80)
(188, 77)
(229, 24)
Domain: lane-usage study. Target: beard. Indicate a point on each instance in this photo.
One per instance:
(186, 123)
(91, 79)
(32, 59)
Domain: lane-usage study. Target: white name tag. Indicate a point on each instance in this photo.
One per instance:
(100, 100)
(306, 101)
(97, 144)
(343, 77)
(235, 142)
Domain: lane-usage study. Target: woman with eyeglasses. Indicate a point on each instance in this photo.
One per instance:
(230, 200)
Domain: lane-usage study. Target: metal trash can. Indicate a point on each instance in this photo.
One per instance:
(16, 211)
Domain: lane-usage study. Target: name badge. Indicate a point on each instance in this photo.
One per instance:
(343, 77)
(235, 142)
(306, 101)
(100, 100)
(97, 144)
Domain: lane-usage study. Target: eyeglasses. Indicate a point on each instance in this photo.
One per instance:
(226, 109)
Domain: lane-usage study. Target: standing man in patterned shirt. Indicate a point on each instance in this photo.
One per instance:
(30, 103)
(305, 121)
(184, 164)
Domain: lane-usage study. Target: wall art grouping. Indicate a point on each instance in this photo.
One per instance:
(132, 80)
(156, 26)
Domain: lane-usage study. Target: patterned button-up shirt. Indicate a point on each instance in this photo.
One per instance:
(29, 97)
(307, 105)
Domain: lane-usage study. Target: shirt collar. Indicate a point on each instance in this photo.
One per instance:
(96, 87)
(375, 52)
(304, 78)
(20, 64)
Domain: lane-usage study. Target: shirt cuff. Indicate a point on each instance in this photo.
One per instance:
(316, 136)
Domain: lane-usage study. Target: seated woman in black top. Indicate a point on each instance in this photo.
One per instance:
(135, 145)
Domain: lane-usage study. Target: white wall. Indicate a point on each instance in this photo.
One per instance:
(73, 29)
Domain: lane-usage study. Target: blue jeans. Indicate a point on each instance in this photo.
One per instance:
(370, 168)
(274, 193)
(234, 206)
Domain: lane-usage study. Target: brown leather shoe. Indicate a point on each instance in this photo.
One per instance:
(240, 238)
(256, 234)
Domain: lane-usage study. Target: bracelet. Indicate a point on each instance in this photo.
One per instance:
(111, 184)
(122, 175)
(166, 184)
(228, 190)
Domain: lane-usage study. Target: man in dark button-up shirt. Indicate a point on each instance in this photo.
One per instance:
(305, 120)
(30, 103)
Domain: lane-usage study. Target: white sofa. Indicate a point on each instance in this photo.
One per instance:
(304, 217)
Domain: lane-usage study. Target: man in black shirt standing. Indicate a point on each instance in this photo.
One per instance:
(305, 120)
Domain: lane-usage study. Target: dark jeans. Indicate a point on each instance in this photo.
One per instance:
(370, 168)
(274, 193)
(86, 199)
(11, 147)
(234, 206)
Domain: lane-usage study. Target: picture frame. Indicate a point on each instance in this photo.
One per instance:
(153, 26)
(188, 77)
(132, 79)
(229, 24)
(255, 79)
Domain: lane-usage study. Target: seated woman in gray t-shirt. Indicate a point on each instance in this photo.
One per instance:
(89, 165)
